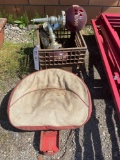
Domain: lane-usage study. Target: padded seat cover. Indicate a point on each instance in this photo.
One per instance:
(49, 99)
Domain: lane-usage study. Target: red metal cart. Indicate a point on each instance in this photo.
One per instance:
(107, 32)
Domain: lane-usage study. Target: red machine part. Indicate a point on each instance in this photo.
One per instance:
(49, 142)
(76, 18)
(107, 32)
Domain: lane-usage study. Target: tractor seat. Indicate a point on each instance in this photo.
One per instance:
(49, 99)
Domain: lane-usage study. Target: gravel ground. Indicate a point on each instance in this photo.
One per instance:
(14, 34)
(99, 139)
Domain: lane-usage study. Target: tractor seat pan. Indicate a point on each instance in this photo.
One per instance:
(49, 99)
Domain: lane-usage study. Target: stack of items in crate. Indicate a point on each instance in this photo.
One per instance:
(60, 43)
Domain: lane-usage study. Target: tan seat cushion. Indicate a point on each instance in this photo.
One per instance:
(52, 98)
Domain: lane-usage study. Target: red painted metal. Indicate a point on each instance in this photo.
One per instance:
(49, 142)
(107, 32)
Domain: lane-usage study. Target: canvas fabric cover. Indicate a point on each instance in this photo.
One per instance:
(49, 98)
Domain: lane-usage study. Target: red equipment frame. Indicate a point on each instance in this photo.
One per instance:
(107, 32)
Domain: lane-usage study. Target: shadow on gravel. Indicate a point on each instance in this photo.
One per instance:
(27, 62)
(36, 141)
(4, 121)
(99, 89)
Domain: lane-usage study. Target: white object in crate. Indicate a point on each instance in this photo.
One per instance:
(36, 58)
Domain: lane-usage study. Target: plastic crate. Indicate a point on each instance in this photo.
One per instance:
(73, 44)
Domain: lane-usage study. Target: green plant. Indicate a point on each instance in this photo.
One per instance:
(10, 16)
(23, 21)
(1, 15)
(4, 14)
(36, 15)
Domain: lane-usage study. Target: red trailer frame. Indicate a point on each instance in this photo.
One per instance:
(107, 32)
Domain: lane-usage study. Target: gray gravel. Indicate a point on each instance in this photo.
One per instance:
(14, 34)
(99, 139)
